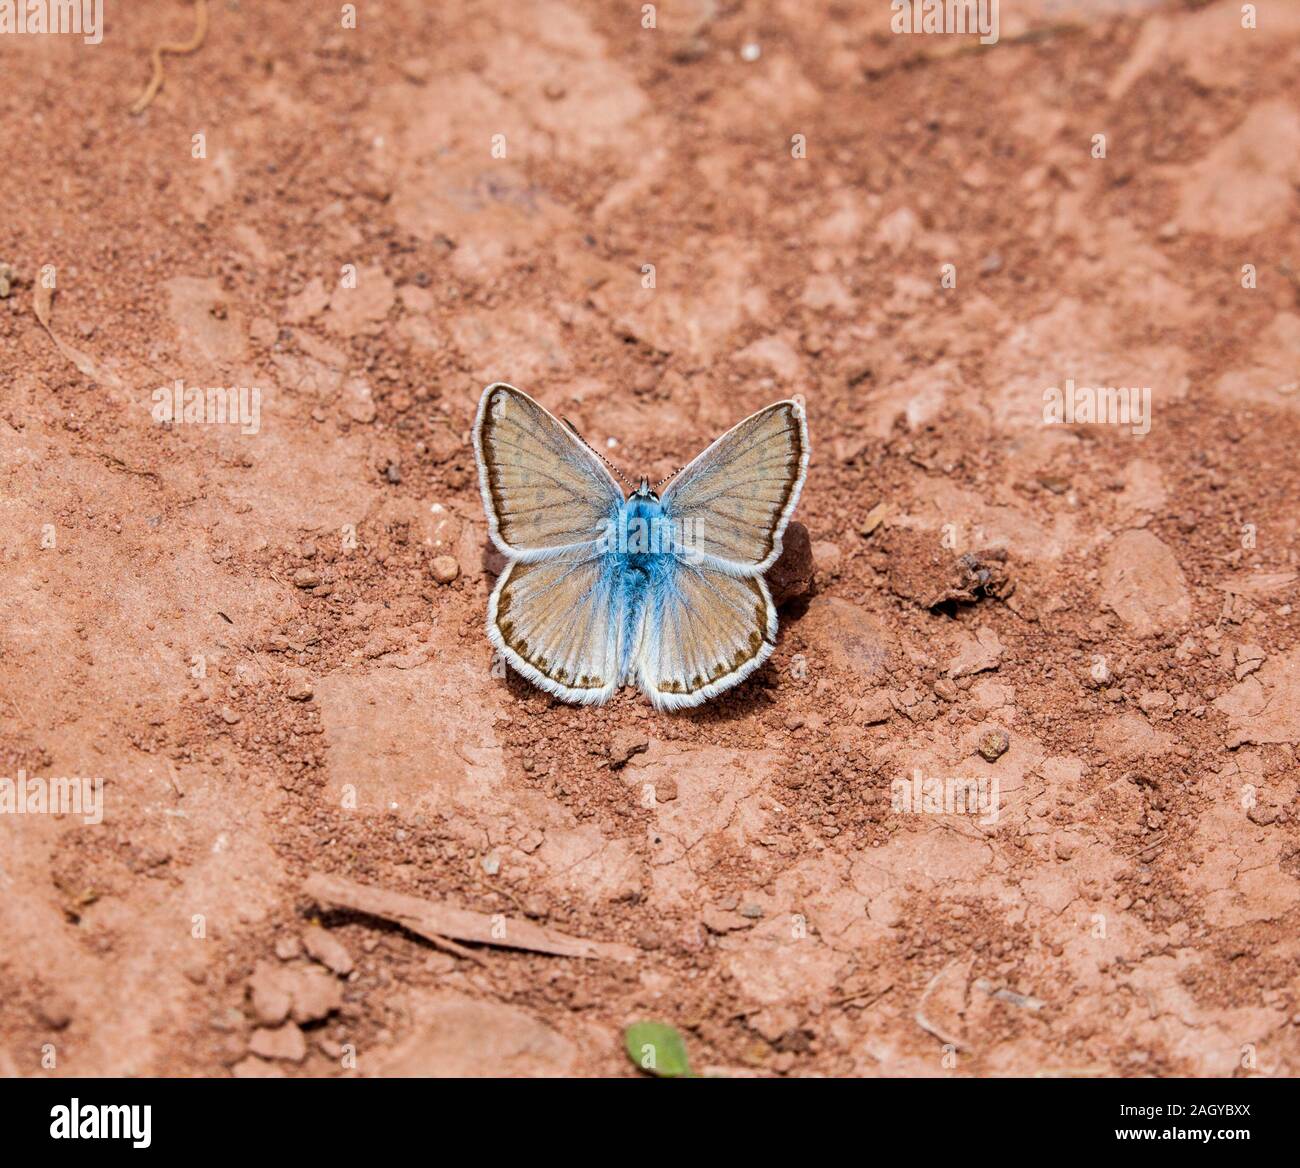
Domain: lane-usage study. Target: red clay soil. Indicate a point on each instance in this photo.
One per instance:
(243, 633)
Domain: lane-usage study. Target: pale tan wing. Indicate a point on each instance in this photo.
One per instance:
(735, 499)
(543, 489)
(705, 631)
(557, 622)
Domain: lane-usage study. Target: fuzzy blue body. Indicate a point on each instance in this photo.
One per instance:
(642, 562)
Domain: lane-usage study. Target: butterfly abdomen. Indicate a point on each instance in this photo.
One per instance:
(640, 553)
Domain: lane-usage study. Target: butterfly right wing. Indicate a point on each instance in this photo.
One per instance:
(736, 497)
(558, 621)
(704, 631)
(543, 489)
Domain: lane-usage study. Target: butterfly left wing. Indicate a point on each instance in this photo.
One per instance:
(704, 631)
(558, 621)
(736, 498)
(543, 489)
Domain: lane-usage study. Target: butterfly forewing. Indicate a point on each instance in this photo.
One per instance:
(705, 630)
(543, 490)
(735, 498)
(557, 621)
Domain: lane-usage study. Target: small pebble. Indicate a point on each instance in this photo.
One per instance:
(445, 569)
(993, 745)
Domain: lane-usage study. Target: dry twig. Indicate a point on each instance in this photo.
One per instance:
(42, 302)
(439, 922)
(183, 49)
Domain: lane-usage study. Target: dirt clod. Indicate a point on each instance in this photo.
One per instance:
(327, 949)
(624, 745)
(285, 1043)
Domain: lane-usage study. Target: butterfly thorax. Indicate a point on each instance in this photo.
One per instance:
(645, 531)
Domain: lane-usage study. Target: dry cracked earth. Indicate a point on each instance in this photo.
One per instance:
(253, 640)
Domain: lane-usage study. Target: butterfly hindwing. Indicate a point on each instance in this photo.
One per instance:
(704, 631)
(543, 489)
(737, 495)
(558, 621)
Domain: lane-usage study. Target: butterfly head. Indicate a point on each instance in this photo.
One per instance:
(643, 491)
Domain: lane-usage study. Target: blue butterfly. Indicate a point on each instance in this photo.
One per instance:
(602, 590)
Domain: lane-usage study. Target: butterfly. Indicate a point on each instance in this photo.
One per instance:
(602, 590)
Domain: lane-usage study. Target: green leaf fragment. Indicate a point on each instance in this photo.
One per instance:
(657, 1049)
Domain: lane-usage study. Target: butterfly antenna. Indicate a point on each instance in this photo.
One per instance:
(618, 473)
(666, 478)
